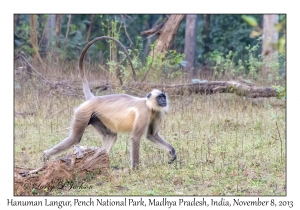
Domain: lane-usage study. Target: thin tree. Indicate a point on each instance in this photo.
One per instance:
(33, 37)
(67, 32)
(16, 20)
(48, 34)
(90, 29)
(270, 39)
(205, 33)
(58, 29)
(190, 43)
(34, 40)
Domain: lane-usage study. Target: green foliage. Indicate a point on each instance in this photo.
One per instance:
(281, 91)
(173, 64)
(227, 33)
(250, 20)
(280, 27)
(223, 65)
(230, 49)
(250, 67)
(167, 66)
(22, 35)
(254, 63)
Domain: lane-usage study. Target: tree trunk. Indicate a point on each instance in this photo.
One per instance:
(190, 43)
(270, 39)
(67, 32)
(48, 34)
(58, 29)
(16, 20)
(33, 37)
(167, 34)
(51, 24)
(206, 30)
(114, 61)
(89, 31)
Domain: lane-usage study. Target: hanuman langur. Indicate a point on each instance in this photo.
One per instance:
(117, 113)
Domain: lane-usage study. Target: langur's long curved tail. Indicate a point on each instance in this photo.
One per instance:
(86, 89)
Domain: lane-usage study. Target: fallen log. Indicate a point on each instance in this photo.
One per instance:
(53, 174)
(203, 87)
(213, 87)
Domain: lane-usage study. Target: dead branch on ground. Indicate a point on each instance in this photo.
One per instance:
(60, 86)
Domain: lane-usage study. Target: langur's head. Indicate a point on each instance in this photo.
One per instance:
(158, 100)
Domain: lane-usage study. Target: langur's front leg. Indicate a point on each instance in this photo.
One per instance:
(163, 144)
(139, 128)
(135, 151)
(152, 135)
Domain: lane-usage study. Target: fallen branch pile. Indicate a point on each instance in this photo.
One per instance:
(54, 173)
(59, 86)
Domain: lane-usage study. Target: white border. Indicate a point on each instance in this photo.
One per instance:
(154, 6)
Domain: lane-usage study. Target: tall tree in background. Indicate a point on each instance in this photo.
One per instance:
(90, 29)
(49, 32)
(167, 34)
(190, 42)
(67, 32)
(205, 33)
(51, 23)
(33, 37)
(58, 29)
(16, 20)
(270, 39)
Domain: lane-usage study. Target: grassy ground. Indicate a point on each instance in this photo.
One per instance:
(225, 144)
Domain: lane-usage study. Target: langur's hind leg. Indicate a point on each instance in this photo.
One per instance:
(80, 121)
(109, 141)
(109, 137)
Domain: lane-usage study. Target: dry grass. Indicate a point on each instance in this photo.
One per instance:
(226, 145)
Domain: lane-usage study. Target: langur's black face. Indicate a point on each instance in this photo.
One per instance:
(161, 100)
